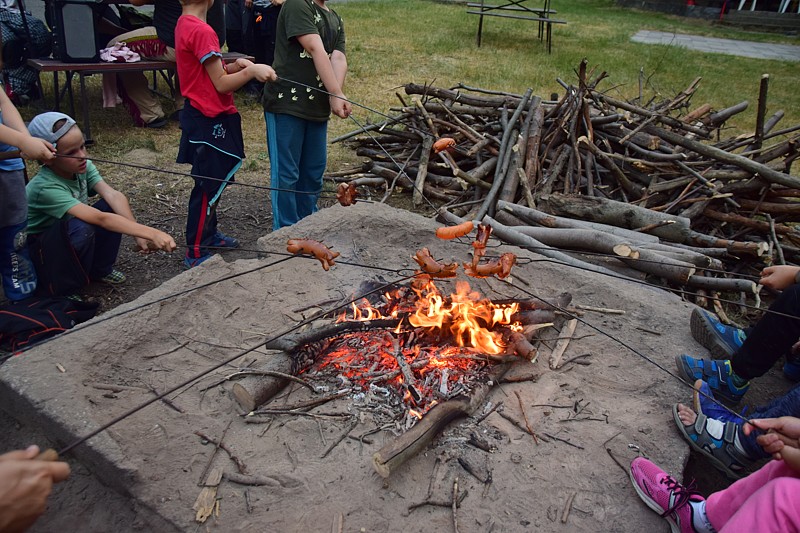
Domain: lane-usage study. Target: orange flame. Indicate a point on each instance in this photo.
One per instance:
(468, 316)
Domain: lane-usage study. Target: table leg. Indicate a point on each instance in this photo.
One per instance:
(87, 128)
(56, 95)
(480, 28)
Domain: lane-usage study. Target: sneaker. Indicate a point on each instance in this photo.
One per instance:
(721, 340)
(718, 375)
(115, 277)
(664, 495)
(191, 262)
(156, 123)
(220, 240)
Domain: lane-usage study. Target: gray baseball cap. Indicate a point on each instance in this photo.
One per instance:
(43, 126)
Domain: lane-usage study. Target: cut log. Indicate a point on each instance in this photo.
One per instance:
(393, 455)
(619, 214)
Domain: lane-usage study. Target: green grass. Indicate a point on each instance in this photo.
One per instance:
(391, 43)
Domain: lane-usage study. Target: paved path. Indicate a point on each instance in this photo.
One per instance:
(782, 52)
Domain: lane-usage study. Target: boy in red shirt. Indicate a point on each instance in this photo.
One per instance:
(211, 138)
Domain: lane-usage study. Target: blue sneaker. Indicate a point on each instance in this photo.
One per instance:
(220, 240)
(717, 374)
(791, 368)
(721, 340)
(191, 262)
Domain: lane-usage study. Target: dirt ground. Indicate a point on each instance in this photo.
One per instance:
(142, 474)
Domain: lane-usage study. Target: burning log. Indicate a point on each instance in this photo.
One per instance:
(253, 391)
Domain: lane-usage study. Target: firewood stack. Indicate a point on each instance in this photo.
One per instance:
(653, 184)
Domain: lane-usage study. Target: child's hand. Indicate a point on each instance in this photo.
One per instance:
(263, 73)
(778, 277)
(243, 63)
(340, 106)
(787, 427)
(159, 241)
(38, 149)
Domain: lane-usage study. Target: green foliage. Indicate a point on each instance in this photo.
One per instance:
(393, 43)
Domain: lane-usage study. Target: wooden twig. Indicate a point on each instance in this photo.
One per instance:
(525, 417)
(221, 445)
(333, 445)
(455, 505)
(167, 352)
(567, 507)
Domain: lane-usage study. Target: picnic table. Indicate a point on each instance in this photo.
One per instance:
(518, 9)
(164, 69)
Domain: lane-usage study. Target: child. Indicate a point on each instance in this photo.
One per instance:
(73, 242)
(309, 49)
(763, 501)
(211, 138)
(16, 269)
(752, 355)
(720, 436)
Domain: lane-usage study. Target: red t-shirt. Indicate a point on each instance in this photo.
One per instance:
(195, 43)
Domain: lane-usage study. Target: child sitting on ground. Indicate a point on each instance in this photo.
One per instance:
(72, 242)
(763, 501)
(211, 137)
(751, 355)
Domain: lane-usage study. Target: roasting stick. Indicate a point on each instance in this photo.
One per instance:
(227, 361)
(189, 175)
(632, 349)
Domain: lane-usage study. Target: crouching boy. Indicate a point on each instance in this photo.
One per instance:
(72, 242)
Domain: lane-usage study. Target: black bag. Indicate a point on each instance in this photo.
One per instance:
(30, 321)
(59, 271)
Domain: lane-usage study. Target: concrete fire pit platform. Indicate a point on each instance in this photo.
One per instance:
(618, 402)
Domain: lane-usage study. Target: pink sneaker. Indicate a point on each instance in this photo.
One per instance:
(664, 495)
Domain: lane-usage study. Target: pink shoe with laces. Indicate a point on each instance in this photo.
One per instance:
(664, 495)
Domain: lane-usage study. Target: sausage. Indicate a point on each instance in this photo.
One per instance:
(500, 267)
(453, 232)
(445, 143)
(484, 231)
(313, 248)
(432, 267)
(346, 194)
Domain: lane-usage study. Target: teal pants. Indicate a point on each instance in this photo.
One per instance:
(297, 156)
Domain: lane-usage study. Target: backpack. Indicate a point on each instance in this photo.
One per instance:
(30, 321)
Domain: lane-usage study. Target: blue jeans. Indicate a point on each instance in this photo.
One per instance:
(97, 248)
(297, 155)
(786, 405)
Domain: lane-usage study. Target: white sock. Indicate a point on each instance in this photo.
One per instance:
(700, 521)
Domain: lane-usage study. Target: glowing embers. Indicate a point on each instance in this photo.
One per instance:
(440, 347)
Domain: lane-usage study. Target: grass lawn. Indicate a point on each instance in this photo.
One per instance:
(391, 43)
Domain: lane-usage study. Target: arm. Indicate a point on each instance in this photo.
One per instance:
(14, 132)
(25, 484)
(324, 65)
(122, 220)
(238, 75)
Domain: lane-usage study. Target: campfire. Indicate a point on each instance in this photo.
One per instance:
(440, 347)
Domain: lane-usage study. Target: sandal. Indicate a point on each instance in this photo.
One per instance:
(722, 453)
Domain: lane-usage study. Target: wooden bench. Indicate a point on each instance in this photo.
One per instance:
(518, 9)
(82, 70)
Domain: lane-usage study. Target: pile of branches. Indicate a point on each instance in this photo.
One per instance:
(653, 184)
